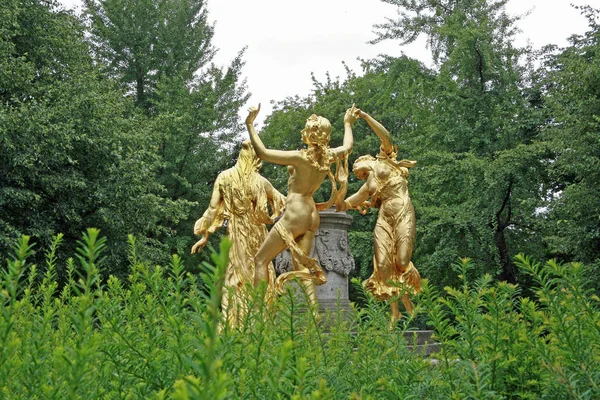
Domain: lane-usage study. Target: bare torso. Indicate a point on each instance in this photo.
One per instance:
(301, 214)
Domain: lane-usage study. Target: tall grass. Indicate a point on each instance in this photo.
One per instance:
(161, 335)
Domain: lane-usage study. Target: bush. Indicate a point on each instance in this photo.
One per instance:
(159, 335)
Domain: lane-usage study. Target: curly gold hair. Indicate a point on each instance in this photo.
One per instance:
(317, 131)
(316, 134)
(366, 157)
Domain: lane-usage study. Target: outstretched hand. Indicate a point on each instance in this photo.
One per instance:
(196, 248)
(252, 113)
(352, 114)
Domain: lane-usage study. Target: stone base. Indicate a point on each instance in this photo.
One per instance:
(330, 300)
(335, 288)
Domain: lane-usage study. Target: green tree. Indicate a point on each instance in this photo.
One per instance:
(139, 41)
(571, 93)
(74, 152)
(484, 167)
(162, 53)
(198, 126)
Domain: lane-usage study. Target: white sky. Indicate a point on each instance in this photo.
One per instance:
(289, 39)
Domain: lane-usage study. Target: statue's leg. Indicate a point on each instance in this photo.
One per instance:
(383, 268)
(272, 246)
(305, 242)
(404, 250)
(403, 255)
(226, 312)
(407, 303)
(383, 243)
(395, 314)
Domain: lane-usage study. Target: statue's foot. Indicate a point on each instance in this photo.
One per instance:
(318, 318)
(314, 312)
(394, 321)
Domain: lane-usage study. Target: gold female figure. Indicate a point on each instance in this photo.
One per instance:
(394, 235)
(307, 168)
(241, 197)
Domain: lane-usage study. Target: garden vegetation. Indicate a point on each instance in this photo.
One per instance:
(119, 119)
(159, 335)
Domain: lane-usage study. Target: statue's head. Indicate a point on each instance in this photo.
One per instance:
(248, 159)
(317, 131)
(363, 166)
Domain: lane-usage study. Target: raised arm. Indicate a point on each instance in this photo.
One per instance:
(349, 119)
(274, 156)
(380, 131)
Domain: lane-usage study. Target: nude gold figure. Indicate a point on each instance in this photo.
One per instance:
(394, 235)
(308, 168)
(241, 197)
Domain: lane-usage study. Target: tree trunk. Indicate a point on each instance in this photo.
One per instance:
(139, 90)
(508, 273)
(503, 217)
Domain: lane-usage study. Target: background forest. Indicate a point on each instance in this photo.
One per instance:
(119, 119)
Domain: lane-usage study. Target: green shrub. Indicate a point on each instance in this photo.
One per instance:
(161, 335)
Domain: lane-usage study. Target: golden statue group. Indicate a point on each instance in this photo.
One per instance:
(241, 196)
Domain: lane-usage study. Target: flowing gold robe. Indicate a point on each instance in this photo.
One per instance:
(395, 227)
(244, 206)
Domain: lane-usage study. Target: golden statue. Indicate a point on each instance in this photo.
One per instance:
(240, 196)
(394, 235)
(307, 168)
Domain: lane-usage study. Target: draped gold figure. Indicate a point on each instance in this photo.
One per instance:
(308, 168)
(394, 236)
(241, 197)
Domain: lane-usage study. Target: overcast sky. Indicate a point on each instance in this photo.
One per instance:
(289, 39)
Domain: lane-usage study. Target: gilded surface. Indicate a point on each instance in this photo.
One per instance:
(394, 235)
(331, 249)
(241, 197)
(308, 168)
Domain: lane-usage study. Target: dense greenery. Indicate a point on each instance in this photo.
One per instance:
(569, 86)
(158, 337)
(507, 152)
(79, 148)
(119, 119)
(74, 152)
(161, 53)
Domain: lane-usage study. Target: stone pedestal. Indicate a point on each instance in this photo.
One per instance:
(332, 250)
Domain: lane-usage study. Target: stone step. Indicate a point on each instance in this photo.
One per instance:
(421, 341)
(415, 337)
(425, 349)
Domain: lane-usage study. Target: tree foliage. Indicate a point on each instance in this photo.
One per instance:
(119, 119)
(198, 129)
(74, 152)
(571, 93)
(162, 52)
(140, 42)
(483, 160)
(474, 124)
